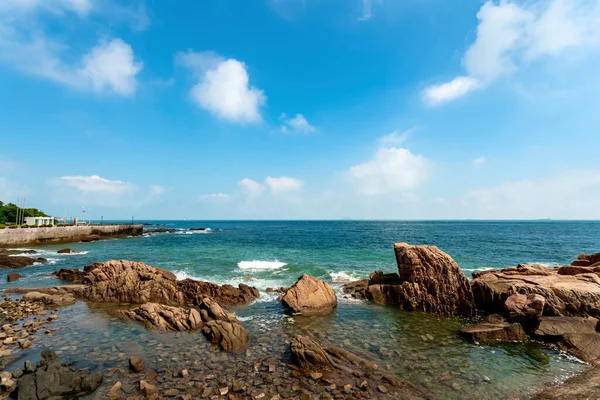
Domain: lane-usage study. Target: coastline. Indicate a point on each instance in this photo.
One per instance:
(82, 328)
(65, 234)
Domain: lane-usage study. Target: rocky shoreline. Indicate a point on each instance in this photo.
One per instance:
(519, 304)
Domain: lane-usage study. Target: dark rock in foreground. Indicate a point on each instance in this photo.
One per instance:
(309, 295)
(339, 366)
(494, 329)
(67, 251)
(70, 275)
(52, 380)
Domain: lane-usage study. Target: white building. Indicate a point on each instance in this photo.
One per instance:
(39, 221)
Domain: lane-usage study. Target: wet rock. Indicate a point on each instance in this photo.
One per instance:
(583, 386)
(585, 346)
(13, 276)
(552, 329)
(341, 365)
(165, 318)
(429, 280)
(494, 329)
(18, 261)
(70, 275)
(136, 364)
(357, 289)
(147, 388)
(67, 251)
(52, 380)
(309, 295)
(57, 300)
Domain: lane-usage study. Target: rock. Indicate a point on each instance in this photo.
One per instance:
(147, 388)
(342, 365)
(565, 295)
(18, 261)
(52, 380)
(552, 329)
(429, 280)
(582, 386)
(13, 276)
(29, 367)
(525, 309)
(585, 260)
(494, 329)
(309, 295)
(70, 274)
(115, 388)
(585, 346)
(231, 337)
(136, 364)
(137, 283)
(165, 318)
(67, 251)
(57, 300)
(357, 289)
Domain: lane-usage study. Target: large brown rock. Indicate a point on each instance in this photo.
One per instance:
(494, 329)
(587, 260)
(431, 281)
(339, 366)
(137, 283)
(70, 275)
(309, 295)
(13, 276)
(576, 335)
(563, 294)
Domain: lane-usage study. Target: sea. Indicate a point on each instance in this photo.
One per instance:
(421, 348)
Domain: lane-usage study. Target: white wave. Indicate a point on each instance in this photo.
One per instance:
(184, 274)
(77, 253)
(257, 265)
(343, 277)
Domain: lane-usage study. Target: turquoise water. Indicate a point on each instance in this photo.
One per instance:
(273, 254)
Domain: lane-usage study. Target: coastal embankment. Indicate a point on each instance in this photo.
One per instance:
(65, 234)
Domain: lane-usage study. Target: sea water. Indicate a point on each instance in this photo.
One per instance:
(421, 348)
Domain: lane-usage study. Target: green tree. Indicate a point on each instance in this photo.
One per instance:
(8, 213)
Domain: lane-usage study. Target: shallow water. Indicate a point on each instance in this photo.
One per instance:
(418, 347)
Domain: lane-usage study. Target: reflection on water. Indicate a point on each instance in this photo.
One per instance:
(418, 347)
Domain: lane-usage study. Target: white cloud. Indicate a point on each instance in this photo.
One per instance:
(513, 33)
(156, 190)
(479, 160)
(81, 7)
(395, 138)
(283, 185)
(250, 187)
(223, 86)
(572, 194)
(458, 87)
(216, 197)
(92, 190)
(391, 170)
(297, 124)
(110, 66)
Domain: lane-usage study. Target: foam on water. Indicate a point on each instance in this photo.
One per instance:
(257, 265)
(343, 277)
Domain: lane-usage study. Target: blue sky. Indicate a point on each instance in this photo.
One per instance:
(301, 109)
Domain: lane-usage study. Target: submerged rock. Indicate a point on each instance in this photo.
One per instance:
(494, 329)
(52, 380)
(56, 300)
(339, 366)
(582, 386)
(67, 251)
(309, 295)
(165, 318)
(13, 276)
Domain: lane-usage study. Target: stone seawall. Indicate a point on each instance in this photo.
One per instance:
(64, 234)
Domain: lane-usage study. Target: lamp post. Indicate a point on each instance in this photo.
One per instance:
(101, 220)
(131, 220)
